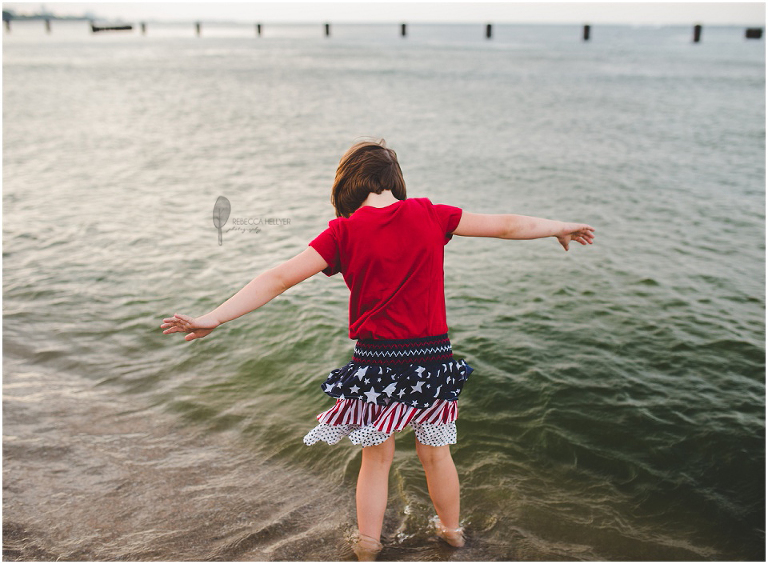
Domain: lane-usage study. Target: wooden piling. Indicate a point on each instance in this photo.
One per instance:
(488, 31)
(402, 30)
(586, 33)
(754, 33)
(143, 28)
(696, 33)
(7, 25)
(258, 29)
(47, 25)
(327, 30)
(99, 28)
(197, 27)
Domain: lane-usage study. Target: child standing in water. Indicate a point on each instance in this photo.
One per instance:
(389, 248)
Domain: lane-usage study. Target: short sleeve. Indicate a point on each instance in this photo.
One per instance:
(326, 244)
(448, 218)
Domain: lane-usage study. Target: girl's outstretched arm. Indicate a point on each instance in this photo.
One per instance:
(255, 294)
(510, 226)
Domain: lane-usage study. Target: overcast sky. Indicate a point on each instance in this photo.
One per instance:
(738, 13)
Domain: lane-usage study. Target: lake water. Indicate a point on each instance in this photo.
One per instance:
(617, 408)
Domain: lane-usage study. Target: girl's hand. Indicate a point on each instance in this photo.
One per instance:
(579, 232)
(197, 327)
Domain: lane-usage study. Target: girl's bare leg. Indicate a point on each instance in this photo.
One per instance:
(372, 484)
(443, 484)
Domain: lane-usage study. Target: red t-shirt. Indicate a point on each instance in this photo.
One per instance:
(392, 262)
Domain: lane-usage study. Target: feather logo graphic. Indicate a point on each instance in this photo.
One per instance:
(221, 210)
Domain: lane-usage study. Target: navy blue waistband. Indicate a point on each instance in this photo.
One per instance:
(422, 350)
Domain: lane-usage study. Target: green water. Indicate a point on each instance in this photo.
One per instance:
(617, 406)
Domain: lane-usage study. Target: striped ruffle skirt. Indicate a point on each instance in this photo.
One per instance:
(390, 384)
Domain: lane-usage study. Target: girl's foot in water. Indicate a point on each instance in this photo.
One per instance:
(454, 537)
(366, 548)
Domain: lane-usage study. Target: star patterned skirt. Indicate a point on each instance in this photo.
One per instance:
(390, 384)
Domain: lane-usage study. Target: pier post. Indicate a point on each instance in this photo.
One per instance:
(197, 28)
(327, 30)
(754, 33)
(696, 33)
(143, 28)
(586, 32)
(47, 25)
(402, 30)
(488, 31)
(7, 25)
(258, 29)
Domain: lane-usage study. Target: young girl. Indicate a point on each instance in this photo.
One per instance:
(389, 249)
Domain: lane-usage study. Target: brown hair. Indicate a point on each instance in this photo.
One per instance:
(368, 166)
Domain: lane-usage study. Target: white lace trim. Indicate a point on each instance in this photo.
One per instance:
(431, 434)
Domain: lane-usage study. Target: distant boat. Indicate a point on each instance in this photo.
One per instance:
(96, 28)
